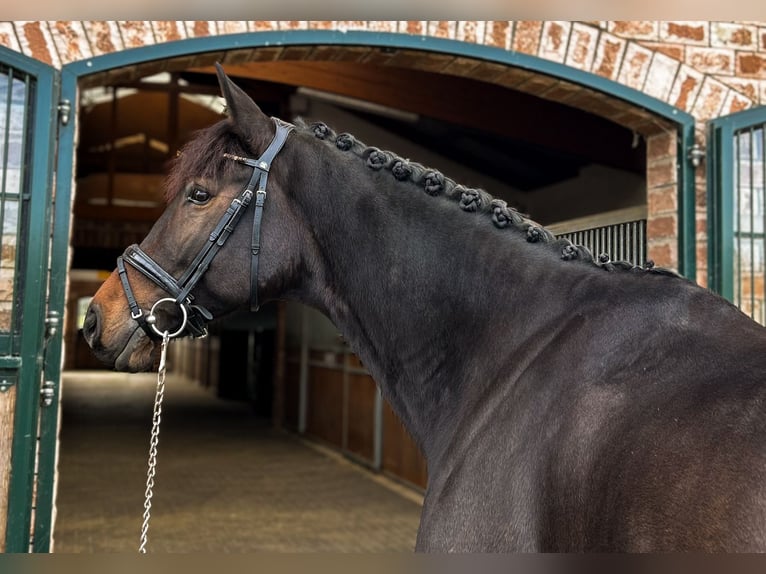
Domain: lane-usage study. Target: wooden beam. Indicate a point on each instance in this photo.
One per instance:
(463, 101)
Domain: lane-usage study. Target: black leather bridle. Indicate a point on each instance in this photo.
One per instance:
(196, 317)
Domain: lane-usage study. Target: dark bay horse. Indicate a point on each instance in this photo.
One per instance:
(562, 403)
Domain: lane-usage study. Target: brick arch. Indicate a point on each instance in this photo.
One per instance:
(619, 51)
(590, 49)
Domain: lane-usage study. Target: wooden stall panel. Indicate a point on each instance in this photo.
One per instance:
(292, 389)
(361, 416)
(401, 457)
(325, 405)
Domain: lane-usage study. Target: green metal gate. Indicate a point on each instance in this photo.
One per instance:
(31, 304)
(737, 209)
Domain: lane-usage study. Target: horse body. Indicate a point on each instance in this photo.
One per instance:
(560, 407)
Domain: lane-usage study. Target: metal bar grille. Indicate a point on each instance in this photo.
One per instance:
(621, 241)
(14, 98)
(749, 202)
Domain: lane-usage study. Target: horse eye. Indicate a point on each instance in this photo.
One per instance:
(198, 195)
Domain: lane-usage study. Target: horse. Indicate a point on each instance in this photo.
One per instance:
(563, 402)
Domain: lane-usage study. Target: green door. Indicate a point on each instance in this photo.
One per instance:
(32, 288)
(737, 209)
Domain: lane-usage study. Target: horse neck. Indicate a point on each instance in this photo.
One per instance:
(419, 288)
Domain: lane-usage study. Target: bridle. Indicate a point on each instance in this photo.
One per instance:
(196, 317)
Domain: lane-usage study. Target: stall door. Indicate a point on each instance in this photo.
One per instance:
(30, 340)
(737, 209)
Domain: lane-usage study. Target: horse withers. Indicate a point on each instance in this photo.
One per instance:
(562, 403)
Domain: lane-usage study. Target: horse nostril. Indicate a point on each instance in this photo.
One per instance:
(91, 325)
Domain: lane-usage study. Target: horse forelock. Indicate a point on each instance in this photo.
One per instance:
(203, 157)
(473, 200)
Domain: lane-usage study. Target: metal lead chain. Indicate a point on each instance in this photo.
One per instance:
(151, 470)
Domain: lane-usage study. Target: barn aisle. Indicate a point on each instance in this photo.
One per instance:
(226, 482)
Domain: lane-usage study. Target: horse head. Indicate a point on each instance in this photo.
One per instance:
(175, 281)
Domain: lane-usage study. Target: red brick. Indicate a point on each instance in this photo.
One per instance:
(660, 173)
(563, 92)
(136, 33)
(321, 24)
(70, 41)
(267, 25)
(8, 36)
(36, 42)
(582, 47)
(748, 88)
(168, 30)
(555, 37)
(687, 32)
(608, 56)
(526, 36)
(442, 29)
(9, 41)
(635, 66)
(674, 51)
(662, 73)
(415, 27)
(498, 33)
(711, 60)
(635, 29)
(686, 88)
(710, 100)
(700, 191)
(231, 27)
(730, 35)
(753, 65)
(104, 36)
(470, 31)
(293, 24)
(199, 28)
(735, 102)
(663, 253)
(513, 77)
(661, 146)
(662, 200)
(6, 290)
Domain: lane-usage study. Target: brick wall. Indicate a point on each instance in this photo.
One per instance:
(705, 68)
(7, 275)
(708, 69)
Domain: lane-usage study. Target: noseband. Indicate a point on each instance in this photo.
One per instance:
(195, 317)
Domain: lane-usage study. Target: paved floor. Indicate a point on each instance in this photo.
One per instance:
(226, 482)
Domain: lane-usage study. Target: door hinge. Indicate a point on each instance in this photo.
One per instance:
(52, 323)
(47, 393)
(65, 110)
(696, 154)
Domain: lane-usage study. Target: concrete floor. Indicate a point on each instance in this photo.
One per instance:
(226, 481)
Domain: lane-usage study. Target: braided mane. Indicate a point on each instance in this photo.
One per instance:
(474, 200)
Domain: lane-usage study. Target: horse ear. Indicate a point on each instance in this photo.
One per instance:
(246, 116)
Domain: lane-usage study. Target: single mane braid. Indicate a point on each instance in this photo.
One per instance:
(471, 200)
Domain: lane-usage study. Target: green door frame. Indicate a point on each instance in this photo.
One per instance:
(720, 177)
(27, 412)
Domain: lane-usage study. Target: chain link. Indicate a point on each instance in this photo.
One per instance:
(152, 466)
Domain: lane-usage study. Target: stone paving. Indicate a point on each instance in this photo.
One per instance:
(226, 481)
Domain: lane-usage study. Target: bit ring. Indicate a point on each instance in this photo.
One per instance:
(152, 319)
